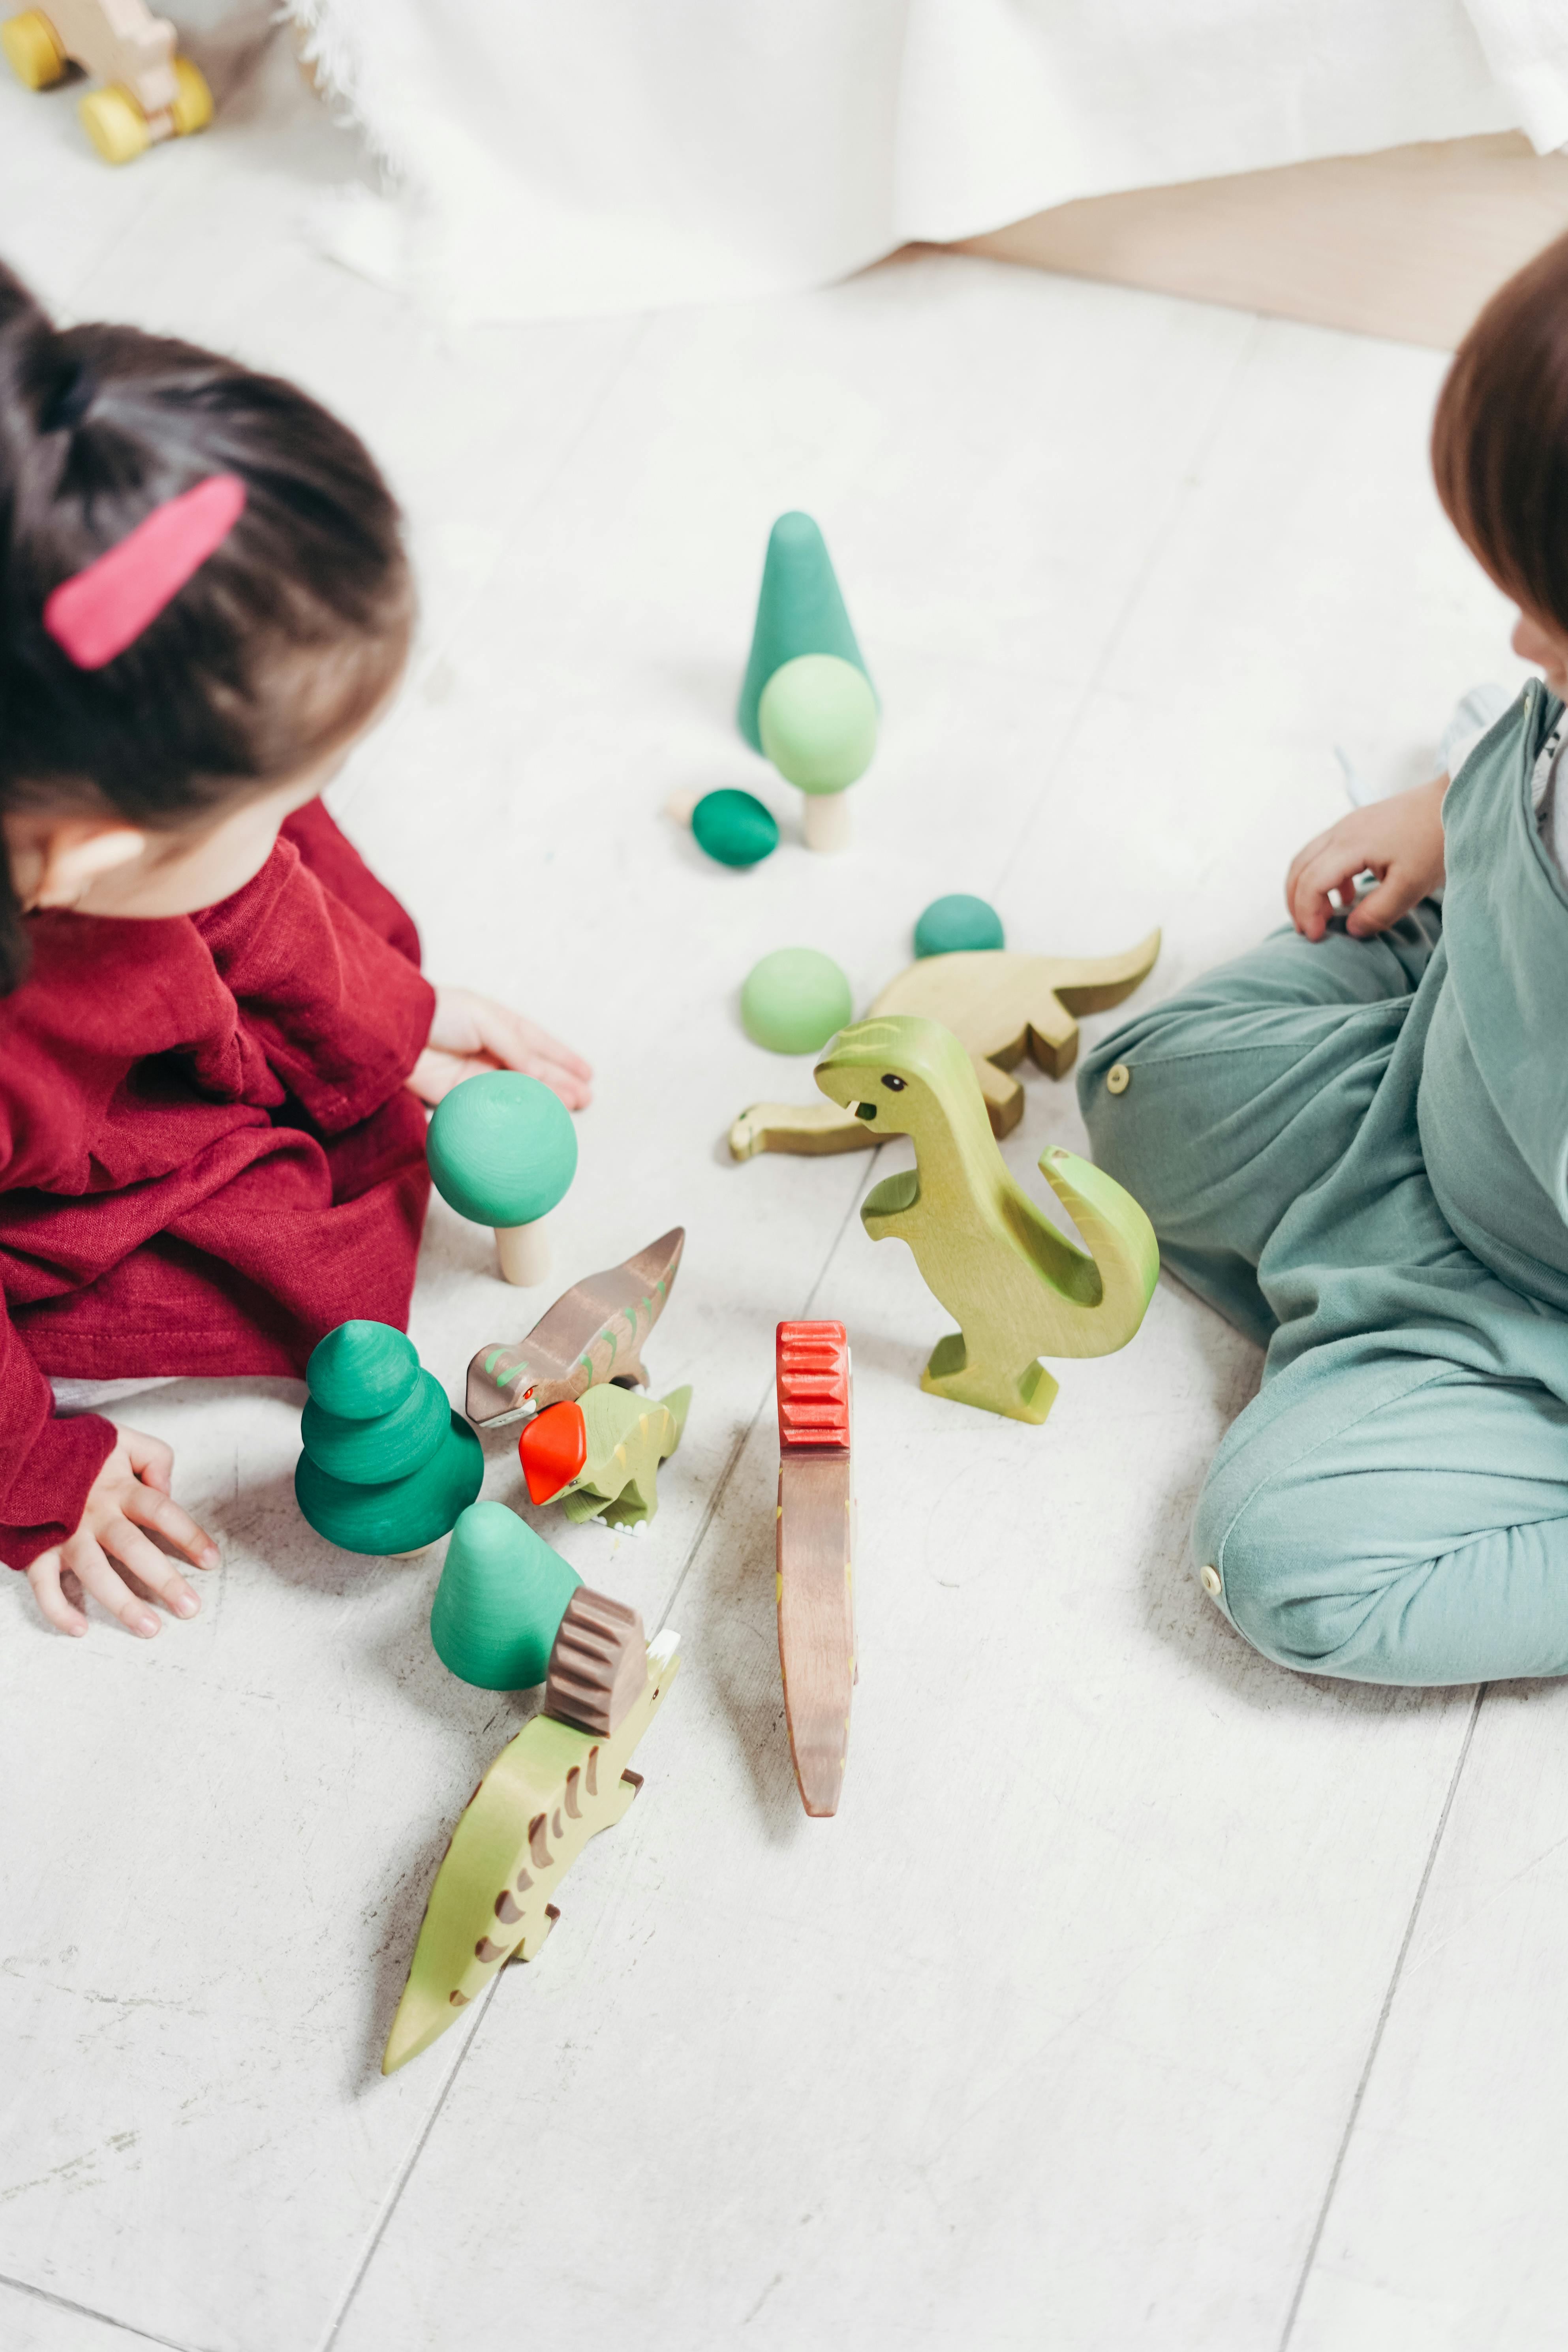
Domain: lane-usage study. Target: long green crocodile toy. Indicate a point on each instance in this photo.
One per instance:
(552, 1788)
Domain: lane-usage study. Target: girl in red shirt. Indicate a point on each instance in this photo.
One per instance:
(215, 1036)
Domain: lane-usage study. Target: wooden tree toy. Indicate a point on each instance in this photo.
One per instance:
(594, 1332)
(552, 1788)
(1017, 1287)
(815, 1555)
(999, 1004)
(502, 1150)
(807, 702)
(498, 1606)
(154, 93)
(387, 1463)
(599, 1457)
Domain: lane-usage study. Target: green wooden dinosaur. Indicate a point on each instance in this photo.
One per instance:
(1017, 1287)
(599, 1456)
(561, 1780)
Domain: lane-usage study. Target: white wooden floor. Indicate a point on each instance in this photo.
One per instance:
(1142, 1994)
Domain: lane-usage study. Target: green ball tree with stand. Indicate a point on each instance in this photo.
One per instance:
(807, 702)
(388, 1465)
(502, 1150)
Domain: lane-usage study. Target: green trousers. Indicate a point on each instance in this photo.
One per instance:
(1358, 1152)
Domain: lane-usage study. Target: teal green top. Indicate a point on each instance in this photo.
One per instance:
(1493, 1104)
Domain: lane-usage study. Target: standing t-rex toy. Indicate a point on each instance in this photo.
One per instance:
(1017, 1287)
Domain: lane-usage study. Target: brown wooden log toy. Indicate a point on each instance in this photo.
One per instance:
(816, 1526)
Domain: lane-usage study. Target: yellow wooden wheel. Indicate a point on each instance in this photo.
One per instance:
(192, 108)
(115, 124)
(33, 49)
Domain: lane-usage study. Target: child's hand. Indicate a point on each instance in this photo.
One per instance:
(130, 1493)
(1401, 839)
(473, 1032)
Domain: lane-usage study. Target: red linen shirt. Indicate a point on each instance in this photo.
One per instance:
(208, 1156)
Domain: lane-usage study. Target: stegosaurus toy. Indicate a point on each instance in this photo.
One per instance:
(599, 1456)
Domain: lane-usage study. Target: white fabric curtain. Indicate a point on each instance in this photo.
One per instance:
(559, 157)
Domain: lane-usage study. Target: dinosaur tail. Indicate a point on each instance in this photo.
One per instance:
(1119, 1240)
(1096, 983)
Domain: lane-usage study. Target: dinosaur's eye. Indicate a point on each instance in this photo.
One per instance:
(895, 1086)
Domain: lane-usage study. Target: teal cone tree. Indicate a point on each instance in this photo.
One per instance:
(498, 1606)
(806, 701)
(388, 1465)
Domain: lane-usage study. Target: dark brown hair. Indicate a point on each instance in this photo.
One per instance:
(278, 647)
(1499, 440)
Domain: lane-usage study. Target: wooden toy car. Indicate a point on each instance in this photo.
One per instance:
(151, 94)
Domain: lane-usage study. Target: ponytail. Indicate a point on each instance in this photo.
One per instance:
(278, 648)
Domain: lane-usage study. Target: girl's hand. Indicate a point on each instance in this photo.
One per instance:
(1401, 839)
(130, 1493)
(473, 1032)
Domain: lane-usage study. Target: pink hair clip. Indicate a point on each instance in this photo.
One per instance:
(97, 613)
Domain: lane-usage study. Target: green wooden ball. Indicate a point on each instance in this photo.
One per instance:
(794, 1001)
(503, 1149)
(817, 721)
(735, 828)
(498, 1606)
(957, 922)
(362, 1370)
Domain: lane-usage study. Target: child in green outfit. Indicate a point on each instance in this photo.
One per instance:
(1353, 1142)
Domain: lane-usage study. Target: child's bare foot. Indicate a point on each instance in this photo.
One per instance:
(129, 1496)
(473, 1032)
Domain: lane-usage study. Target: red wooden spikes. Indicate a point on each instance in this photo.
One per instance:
(813, 1366)
(553, 1449)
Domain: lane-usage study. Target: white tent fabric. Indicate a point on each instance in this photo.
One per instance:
(552, 161)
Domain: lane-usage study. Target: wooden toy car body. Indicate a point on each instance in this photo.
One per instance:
(151, 93)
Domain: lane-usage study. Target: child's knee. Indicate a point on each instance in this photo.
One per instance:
(1277, 1587)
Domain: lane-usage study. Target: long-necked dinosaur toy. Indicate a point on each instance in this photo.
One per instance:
(999, 1004)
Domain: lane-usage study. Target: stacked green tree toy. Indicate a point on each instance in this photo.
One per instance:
(387, 1463)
